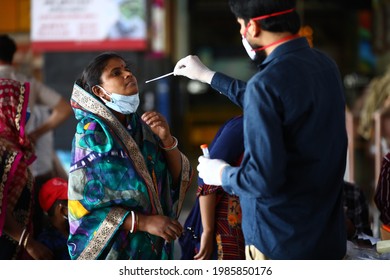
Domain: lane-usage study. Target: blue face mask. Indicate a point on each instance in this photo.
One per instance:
(125, 104)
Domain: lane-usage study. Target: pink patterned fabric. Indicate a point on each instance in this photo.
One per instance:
(382, 193)
(16, 151)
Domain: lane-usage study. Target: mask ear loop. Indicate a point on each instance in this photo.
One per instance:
(267, 16)
(278, 41)
(274, 14)
(105, 92)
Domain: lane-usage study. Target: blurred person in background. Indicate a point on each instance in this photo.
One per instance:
(17, 240)
(382, 197)
(48, 110)
(53, 199)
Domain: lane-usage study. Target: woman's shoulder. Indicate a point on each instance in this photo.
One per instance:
(235, 123)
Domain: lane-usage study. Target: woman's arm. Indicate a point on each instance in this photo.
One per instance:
(59, 114)
(173, 157)
(34, 248)
(207, 205)
(159, 225)
(160, 127)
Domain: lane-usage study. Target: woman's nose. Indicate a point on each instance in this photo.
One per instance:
(128, 74)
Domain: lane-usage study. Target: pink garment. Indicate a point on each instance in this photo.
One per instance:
(382, 192)
(16, 151)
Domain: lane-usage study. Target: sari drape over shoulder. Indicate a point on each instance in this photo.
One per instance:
(16, 154)
(115, 170)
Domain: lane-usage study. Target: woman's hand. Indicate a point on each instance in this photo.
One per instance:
(206, 246)
(159, 126)
(35, 249)
(162, 226)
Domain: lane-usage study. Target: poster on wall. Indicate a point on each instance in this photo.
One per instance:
(66, 25)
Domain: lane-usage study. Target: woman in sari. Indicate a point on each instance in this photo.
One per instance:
(127, 179)
(16, 185)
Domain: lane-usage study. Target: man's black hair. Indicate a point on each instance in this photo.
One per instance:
(7, 48)
(249, 9)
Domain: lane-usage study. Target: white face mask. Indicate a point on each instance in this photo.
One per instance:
(248, 48)
(125, 104)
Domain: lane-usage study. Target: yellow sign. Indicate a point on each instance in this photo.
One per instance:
(15, 16)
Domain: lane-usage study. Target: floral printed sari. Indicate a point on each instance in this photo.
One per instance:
(116, 169)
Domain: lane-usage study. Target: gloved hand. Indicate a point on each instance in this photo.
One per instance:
(210, 170)
(192, 68)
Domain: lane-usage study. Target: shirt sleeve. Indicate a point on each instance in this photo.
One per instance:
(262, 170)
(232, 88)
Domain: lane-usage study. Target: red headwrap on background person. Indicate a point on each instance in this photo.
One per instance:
(16, 152)
(51, 191)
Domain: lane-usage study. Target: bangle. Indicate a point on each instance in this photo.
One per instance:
(132, 221)
(26, 240)
(173, 146)
(21, 236)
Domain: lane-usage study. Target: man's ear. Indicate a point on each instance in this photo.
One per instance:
(63, 209)
(254, 28)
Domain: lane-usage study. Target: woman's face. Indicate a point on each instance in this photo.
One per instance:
(117, 78)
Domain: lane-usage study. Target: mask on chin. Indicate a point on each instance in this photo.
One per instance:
(124, 104)
(248, 48)
(257, 56)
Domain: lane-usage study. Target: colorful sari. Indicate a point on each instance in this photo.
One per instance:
(16, 154)
(116, 169)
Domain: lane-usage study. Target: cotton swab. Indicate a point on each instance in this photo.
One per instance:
(158, 78)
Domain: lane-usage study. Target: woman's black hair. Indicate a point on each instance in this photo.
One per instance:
(249, 9)
(93, 72)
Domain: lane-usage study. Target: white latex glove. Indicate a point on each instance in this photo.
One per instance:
(192, 68)
(210, 170)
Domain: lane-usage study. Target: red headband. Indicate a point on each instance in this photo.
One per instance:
(274, 14)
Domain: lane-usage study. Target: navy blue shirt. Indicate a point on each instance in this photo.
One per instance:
(290, 181)
(56, 242)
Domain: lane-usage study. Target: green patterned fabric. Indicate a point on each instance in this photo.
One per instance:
(116, 169)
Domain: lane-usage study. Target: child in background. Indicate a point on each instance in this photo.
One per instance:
(53, 199)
